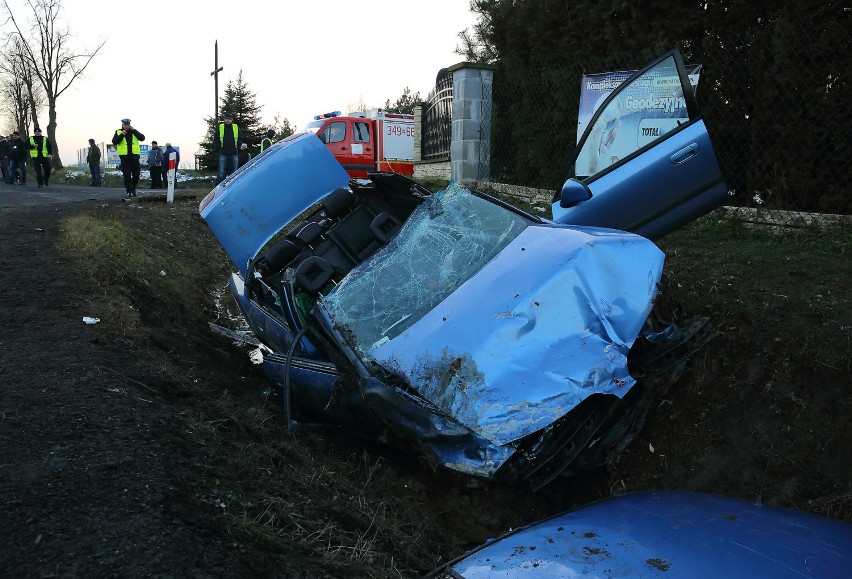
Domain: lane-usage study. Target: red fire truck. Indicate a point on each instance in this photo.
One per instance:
(371, 141)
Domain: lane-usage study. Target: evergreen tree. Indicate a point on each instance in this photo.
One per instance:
(241, 104)
(282, 128)
(404, 104)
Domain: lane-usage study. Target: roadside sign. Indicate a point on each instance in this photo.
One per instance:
(170, 195)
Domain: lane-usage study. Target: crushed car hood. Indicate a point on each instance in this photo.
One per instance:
(543, 325)
(246, 210)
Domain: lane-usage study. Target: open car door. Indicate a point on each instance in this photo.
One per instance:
(645, 163)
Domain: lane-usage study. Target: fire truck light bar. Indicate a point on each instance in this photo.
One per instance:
(327, 115)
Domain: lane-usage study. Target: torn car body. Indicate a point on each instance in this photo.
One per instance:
(495, 342)
(489, 339)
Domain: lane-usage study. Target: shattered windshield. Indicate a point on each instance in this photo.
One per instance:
(445, 241)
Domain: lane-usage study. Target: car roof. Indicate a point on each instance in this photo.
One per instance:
(670, 533)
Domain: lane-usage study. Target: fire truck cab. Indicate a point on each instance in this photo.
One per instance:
(371, 141)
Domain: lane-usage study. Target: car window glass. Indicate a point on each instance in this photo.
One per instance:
(360, 133)
(313, 127)
(446, 240)
(333, 133)
(642, 112)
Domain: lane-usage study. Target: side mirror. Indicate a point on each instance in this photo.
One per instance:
(573, 192)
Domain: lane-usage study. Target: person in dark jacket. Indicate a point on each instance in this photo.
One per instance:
(17, 158)
(41, 152)
(169, 150)
(155, 165)
(244, 155)
(93, 158)
(4, 157)
(228, 142)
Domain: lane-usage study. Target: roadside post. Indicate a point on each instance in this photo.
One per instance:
(170, 195)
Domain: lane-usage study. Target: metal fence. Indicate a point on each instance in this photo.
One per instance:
(436, 127)
(778, 117)
(84, 152)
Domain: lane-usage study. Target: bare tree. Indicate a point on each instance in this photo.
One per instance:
(16, 101)
(54, 63)
(358, 106)
(21, 89)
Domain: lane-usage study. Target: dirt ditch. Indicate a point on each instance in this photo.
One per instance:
(145, 444)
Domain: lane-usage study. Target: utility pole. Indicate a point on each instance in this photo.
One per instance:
(215, 74)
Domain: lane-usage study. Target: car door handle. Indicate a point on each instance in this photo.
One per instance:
(342, 148)
(684, 154)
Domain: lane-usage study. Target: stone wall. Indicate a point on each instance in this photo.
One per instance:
(440, 170)
(529, 195)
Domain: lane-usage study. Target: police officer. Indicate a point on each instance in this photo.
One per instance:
(267, 141)
(41, 152)
(126, 141)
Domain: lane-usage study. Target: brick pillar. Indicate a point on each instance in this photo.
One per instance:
(470, 149)
(418, 135)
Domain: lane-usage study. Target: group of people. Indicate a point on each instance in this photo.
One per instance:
(126, 141)
(14, 152)
(158, 164)
(233, 153)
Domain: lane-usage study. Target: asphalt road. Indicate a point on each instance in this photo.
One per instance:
(30, 194)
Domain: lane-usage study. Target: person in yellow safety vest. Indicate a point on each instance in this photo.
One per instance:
(228, 142)
(267, 141)
(126, 141)
(41, 152)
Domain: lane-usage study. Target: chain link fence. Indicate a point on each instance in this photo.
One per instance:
(777, 112)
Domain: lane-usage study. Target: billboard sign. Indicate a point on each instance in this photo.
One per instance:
(595, 88)
(112, 160)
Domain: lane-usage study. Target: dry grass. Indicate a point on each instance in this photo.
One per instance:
(298, 496)
(764, 397)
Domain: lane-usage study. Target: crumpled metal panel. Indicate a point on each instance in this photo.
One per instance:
(451, 444)
(545, 323)
(669, 534)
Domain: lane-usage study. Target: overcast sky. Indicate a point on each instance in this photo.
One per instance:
(300, 59)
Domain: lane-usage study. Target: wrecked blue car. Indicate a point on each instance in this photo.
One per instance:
(495, 342)
(666, 534)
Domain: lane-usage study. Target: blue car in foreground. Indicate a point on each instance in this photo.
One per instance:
(666, 534)
(498, 343)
